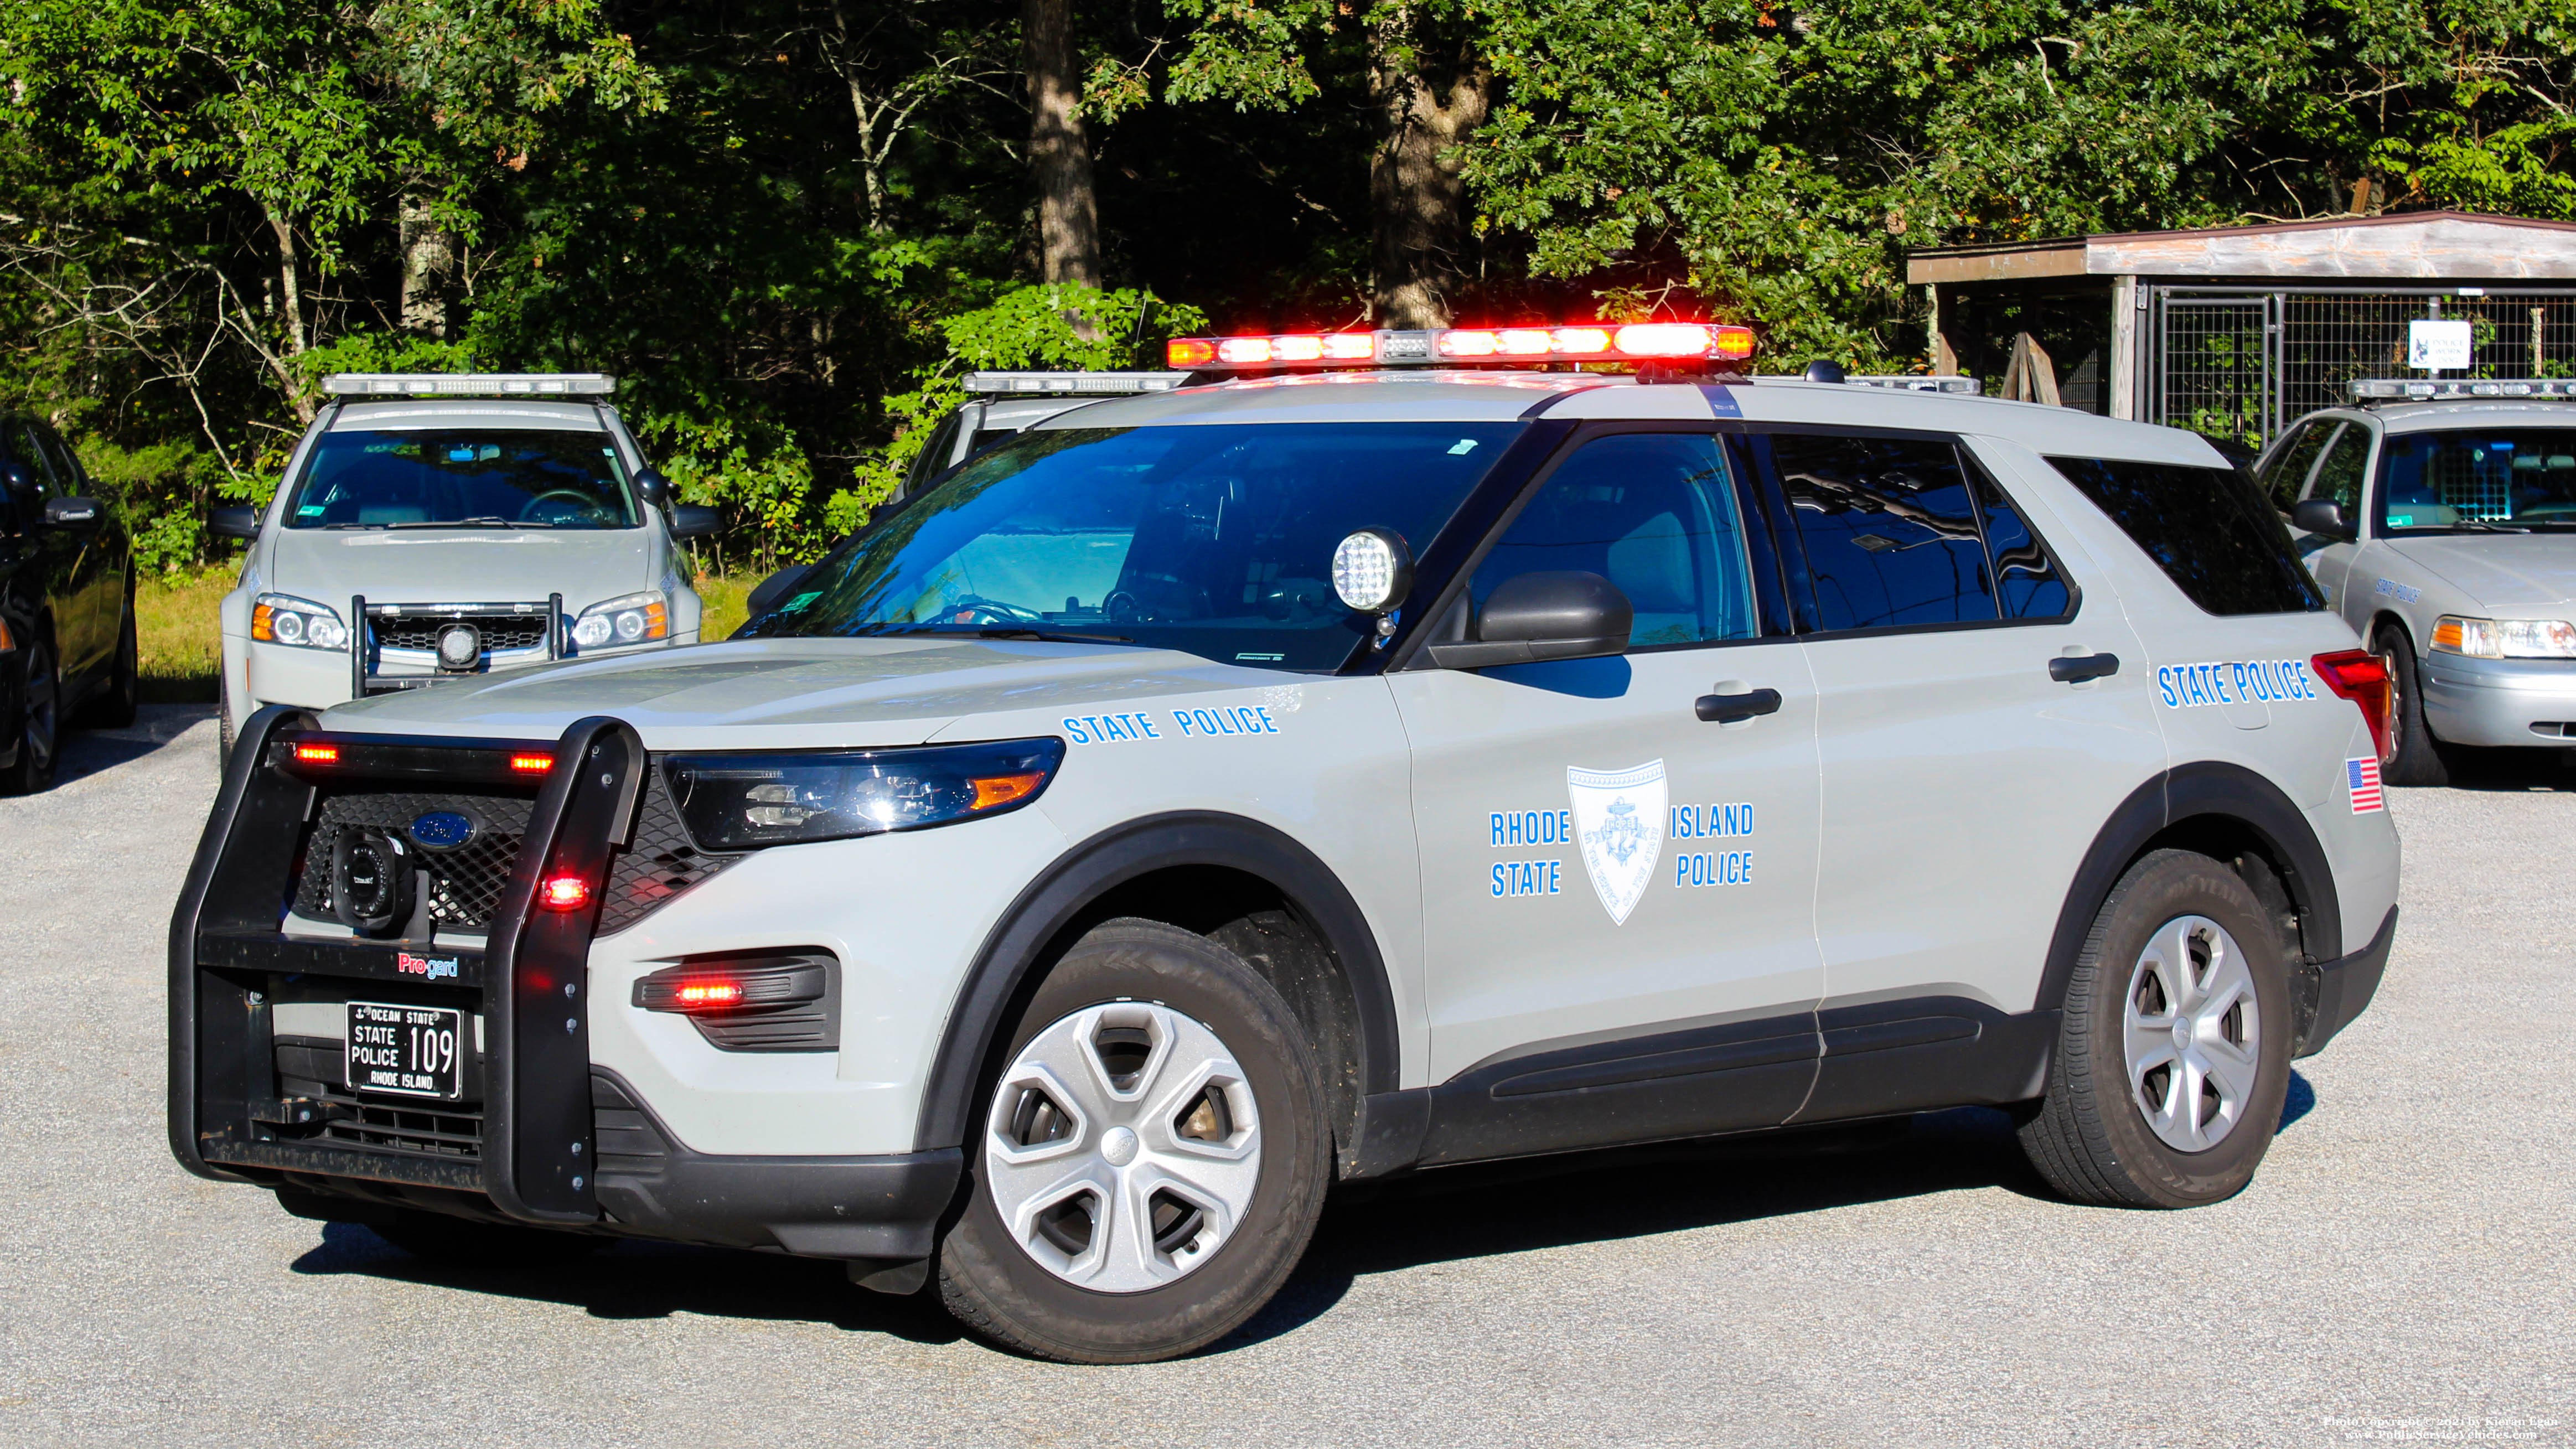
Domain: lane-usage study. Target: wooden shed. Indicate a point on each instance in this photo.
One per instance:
(2233, 331)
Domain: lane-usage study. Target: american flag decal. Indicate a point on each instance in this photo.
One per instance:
(2362, 776)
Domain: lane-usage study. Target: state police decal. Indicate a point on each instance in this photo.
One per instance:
(1619, 821)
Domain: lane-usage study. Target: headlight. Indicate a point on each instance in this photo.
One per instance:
(630, 620)
(284, 619)
(741, 802)
(2505, 638)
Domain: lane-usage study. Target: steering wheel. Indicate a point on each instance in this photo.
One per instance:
(582, 506)
(957, 610)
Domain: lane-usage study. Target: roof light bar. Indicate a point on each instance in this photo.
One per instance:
(1918, 382)
(1080, 382)
(1386, 347)
(2412, 389)
(469, 384)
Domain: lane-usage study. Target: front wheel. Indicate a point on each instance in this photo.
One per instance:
(39, 727)
(2173, 1051)
(1152, 1157)
(2417, 756)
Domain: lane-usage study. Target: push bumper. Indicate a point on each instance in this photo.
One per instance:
(2343, 988)
(2497, 702)
(542, 1135)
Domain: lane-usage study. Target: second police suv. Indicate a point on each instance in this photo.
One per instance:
(1310, 775)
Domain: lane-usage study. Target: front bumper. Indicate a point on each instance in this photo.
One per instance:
(2497, 702)
(317, 679)
(542, 1135)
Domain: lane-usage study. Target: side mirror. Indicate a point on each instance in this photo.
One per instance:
(777, 586)
(82, 514)
(695, 520)
(653, 488)
(1540, 616)
(2322, 516)
(233, 521)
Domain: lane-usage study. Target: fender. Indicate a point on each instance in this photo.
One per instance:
(2203, 788)
(1038, 918)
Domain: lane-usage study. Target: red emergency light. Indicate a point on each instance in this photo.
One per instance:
(1710, 342)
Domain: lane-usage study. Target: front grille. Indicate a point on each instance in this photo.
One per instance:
(465, 883)
(658, 864)
(500, 629)
(447, 1130)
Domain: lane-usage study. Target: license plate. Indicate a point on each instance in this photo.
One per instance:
(410, 1051)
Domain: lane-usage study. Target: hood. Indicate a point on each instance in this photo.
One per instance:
(2500, 571)
(799, 693)
(461, 565)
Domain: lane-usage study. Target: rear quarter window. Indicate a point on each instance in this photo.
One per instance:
(2207, 528)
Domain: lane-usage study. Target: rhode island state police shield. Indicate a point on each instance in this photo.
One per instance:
(1619, 819)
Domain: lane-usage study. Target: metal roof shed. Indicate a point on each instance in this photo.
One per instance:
(2235, 330)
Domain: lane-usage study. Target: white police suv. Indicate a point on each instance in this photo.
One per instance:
(437, 526)
(1210, 796)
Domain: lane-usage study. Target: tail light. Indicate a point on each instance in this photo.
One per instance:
(2361, 677)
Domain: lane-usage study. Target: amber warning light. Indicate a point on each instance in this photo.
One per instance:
(1584, 342)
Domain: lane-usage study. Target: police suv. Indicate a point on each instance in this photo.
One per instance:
(2440, 519)
(437, 526)
(1311, 775)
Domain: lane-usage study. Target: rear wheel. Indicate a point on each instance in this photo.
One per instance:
(113, 707)
(2173, 1053)
(39, 726)
(1152, 1157)
(2417, 759)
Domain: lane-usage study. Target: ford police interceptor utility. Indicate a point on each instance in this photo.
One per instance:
(2440, 519)
(1306, 776)
(436, 526)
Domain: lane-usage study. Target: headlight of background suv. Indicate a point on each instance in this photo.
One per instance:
(285, 619)
(630, 620)
(2505, 638)
(741, 802)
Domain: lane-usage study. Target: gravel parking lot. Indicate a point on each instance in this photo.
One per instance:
(2401, 1269)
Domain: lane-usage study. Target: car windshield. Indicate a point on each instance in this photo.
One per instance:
(2474, 480)
(1215, 539)
(463, 478)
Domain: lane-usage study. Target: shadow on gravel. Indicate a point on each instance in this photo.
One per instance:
(1434, 1217)
(655, 1280)
(89, 752)
(2551, 771)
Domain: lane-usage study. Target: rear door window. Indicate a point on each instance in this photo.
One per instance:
(1888, 533)
(2207, 528)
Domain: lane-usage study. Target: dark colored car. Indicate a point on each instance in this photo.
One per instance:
(66, 605)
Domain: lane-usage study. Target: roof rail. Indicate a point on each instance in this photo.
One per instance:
(469, 384)
(1104, 383)
(2366, 390)
(1919, 382)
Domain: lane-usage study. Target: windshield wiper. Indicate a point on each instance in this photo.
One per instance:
(1046, 636)
(481, 520)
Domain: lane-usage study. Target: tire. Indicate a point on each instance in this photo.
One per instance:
(1160, 1010)
(113, 707)
(464, 1243)
(2093, 1137)
(39, 725)
(2419, 757)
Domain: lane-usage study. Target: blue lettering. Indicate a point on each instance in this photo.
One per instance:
(1074, 728)
(1267, 723)
(1495, 823)
(1498, 880)
(1146, 726)
(2164, 687)
(1181, 717)
(2239, 671)
(2299, 671)
(1204, 720)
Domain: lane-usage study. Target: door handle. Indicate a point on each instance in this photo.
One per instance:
(1728, 708)
(2082, 667)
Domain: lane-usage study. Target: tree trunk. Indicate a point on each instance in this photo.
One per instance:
(1059, 154)
(291, 297)
(1417, 202)
(428, 255)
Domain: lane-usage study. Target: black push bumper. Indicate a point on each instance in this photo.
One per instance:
(543, 1136)
(2344, 988)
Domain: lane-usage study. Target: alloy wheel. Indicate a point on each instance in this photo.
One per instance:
(2193, 1033)
(1123, 1147)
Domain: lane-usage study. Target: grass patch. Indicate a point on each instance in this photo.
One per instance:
(180, 641)
(177, 636)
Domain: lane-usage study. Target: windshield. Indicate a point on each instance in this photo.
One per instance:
(463, 478)
(1214, 539)
(2476, 480)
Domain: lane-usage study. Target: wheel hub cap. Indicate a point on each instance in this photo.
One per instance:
(1123, 1147)
(2193, 1034)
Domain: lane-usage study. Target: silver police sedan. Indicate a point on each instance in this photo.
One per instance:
(2440, 517)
